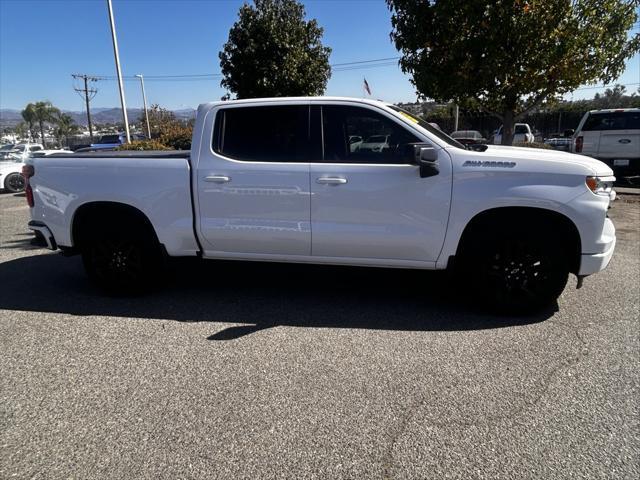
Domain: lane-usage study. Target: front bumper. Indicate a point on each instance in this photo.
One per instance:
(41, 229)
(595, 262)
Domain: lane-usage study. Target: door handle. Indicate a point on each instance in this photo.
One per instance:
(331, 180)
(217, 178)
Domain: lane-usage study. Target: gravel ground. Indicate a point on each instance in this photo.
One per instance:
(238, 370)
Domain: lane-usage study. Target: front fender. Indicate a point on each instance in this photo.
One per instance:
(476, 192)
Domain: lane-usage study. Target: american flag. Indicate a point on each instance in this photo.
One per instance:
(366, 87)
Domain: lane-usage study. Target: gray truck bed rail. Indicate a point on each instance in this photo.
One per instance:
(127, 154)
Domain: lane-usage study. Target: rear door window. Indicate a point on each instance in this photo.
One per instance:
(263, 134)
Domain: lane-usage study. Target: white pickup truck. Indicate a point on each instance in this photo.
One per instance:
(521, 134)
(612, 136)
(276, 180)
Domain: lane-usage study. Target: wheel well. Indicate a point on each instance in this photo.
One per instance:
(506, 218)
(119, 215)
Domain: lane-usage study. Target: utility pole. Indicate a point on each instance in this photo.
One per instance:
(144, 102)
(118, 71)
(88, 94)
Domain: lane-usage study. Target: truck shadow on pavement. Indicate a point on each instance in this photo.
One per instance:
(256, 296)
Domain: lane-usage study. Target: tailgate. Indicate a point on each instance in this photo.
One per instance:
(619, 144)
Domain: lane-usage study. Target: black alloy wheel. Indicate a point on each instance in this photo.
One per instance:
(14, 183)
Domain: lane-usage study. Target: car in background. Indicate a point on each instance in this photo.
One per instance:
(354, 142)
(469, 137)
(559, 143)
(111, 141)
(11, 179)
(19, 152)
(522, 134)
(374, 143)
(613, 137)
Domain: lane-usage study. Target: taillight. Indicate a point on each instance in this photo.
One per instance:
(579, 142)
(27, 172)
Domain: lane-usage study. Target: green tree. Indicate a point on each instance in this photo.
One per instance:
(159, 119)
(45, 112)
(29, 117)
(65, 126)
(510, 56)
(273, 52)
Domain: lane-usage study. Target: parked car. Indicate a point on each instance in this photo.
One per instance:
(559, 143)
(354, 142)
(522, 134)
(375, 143)
(19, 152)
(612, 136)
(275, 180)
(11, 179)
(111, 141)
(469, 137)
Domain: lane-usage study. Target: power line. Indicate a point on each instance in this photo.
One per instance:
(337, 67)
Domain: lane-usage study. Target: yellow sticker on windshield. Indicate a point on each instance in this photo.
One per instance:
(409, 117)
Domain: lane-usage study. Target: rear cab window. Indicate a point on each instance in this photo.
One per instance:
(612, 121)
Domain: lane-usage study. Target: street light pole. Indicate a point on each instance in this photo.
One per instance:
(118, 71)
(144, 102)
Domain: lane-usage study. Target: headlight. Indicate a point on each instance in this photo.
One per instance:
(601, 185)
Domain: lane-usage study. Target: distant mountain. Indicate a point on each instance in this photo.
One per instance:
(10, 117)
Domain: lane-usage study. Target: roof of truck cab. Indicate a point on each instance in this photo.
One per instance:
(296, 99)
(612, 110)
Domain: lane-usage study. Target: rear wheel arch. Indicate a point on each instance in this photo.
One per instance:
(108, 214)
(506, 219)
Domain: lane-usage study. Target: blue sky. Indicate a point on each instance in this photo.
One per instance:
(43, 42)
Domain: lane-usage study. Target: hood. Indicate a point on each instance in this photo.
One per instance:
(552, 157)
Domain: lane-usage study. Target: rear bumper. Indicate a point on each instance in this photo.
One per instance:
(632, 169)
(595, 262)
(41, 229)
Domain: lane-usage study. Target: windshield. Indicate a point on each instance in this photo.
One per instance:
(425, 125)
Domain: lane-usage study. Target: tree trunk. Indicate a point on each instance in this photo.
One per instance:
(44, 145)
(508, 126)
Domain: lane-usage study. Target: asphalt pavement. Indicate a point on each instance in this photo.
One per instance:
(239, 370)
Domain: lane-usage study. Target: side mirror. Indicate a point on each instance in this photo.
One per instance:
(569, 132)
(427, 159)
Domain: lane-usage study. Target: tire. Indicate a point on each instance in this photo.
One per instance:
(123, 260)
(14, 183)
(515, 273)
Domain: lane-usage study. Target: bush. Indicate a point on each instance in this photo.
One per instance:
(533, 145)
(144, 145)
(176, 136)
